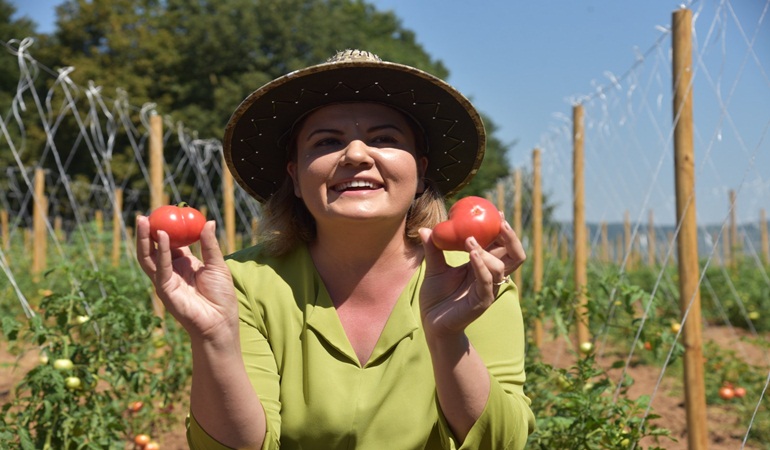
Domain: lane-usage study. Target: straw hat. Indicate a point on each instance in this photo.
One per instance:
(257, 133)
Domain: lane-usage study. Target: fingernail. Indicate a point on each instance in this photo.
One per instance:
(473, 242)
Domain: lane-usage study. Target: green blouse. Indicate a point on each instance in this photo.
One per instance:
(317, 395)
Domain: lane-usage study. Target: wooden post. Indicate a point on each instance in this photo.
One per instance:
(605, 255)
(117, 222)
(687, 243)
(733, 229)
(156, 181)
(627, 248)
(537, 240)
(58, 229)
(764, 242)
(39, 238)
(579, 233)
(517, 223)
(254, 231)
(500, 196)
(99, 225)
(228, 195)
(651, 242)
(5, 229)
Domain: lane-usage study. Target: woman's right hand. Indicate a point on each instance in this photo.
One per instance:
(199, 294)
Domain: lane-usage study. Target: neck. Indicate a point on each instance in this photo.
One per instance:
(356, 257)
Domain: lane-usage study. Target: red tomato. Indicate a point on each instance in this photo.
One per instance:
(470, 216)
(135, 406)
(182, 223)
(141, 440)
(739, 392)
(726, 393)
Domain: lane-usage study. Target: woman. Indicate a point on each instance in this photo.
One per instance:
(346, 327)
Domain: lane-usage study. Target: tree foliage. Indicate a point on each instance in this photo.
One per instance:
(197, 59)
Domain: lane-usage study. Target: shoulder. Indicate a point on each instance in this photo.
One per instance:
(255, 267)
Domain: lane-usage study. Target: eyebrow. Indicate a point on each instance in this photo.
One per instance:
(369, 130)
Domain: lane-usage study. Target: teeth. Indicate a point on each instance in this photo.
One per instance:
(354, 184)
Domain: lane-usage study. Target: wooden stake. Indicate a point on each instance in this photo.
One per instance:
(117, 222)
(537, 240)
(765, 243)
(651, 243)
(156, 182)
(39, 238)
(500, 196)
(99, 225)
(605, 256)
(254, 231)
(734, 246)
(627, 249)
(5, 229)
(579, 225)
(517, 223)
(687, 243)
(228, 195)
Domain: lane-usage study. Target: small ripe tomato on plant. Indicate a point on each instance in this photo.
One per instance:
(739, 392)
(142, 440)
(135, 406)
(726, 393)
(181, 222)
(469, 216)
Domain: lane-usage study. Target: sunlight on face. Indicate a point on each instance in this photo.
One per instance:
(356, 161)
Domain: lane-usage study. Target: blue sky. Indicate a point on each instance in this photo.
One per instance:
(522, 63)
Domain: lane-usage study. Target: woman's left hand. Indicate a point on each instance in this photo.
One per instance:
(451, 298)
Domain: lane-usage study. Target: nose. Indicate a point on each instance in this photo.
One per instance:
(356, 153)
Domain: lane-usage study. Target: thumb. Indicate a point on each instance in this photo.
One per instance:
(434, 256)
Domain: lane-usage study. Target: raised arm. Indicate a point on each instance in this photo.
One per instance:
(201, 297)
(453, 298)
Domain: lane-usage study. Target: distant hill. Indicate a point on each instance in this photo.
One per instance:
(748, 234)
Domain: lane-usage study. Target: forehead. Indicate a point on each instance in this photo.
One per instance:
(356, 112)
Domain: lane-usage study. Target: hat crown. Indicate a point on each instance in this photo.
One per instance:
(351, 55)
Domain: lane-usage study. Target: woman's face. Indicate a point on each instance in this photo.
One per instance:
(356, 161)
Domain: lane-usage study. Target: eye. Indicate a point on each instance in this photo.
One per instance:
(326, 142)
(384, 139)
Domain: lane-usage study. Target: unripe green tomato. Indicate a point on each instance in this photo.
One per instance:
(754, 315)
(82, 319)
(43, 359)
(586, 347)
(72, 383)
(63, 364)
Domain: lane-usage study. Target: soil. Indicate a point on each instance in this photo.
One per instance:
(725, 432)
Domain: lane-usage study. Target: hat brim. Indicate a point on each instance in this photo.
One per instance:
(255, 136)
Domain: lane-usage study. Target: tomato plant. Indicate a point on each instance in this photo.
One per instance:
(77, 399)
(181, 222)
(469, 216)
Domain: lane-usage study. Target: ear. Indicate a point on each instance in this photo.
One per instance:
(291, 169)
(422, 167)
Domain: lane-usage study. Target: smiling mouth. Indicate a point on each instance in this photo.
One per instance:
(356, 185)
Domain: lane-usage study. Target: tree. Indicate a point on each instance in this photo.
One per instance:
(197, 59)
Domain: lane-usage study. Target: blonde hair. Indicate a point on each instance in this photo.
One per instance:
(286, 222)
